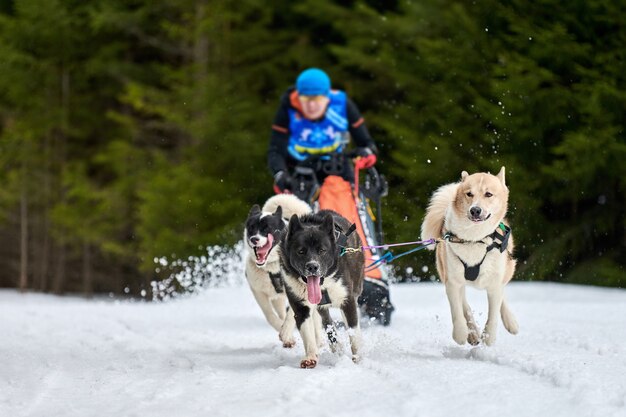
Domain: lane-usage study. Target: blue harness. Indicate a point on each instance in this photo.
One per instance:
(322, 136)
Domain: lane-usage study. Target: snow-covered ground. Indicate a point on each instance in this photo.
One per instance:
(214, 355)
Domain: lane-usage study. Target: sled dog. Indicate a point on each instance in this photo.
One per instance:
(317, 276)
(476, 248)
(263, 231)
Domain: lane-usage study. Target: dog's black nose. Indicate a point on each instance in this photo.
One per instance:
(254, 240)
(475, 211)
(312, 268)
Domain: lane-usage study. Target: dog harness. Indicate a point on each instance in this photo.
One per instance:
(342, 238)
(499, 241)
(277, 282)
(325, 298)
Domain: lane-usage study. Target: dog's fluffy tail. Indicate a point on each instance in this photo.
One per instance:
(290, 204)
(436, 212)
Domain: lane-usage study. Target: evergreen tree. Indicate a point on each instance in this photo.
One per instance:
(130, 131)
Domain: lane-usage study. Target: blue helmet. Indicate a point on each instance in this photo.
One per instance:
(313, 82)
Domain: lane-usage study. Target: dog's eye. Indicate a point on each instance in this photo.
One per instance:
(469, 194)
(321, 251)
(301, 251)
(488, 194)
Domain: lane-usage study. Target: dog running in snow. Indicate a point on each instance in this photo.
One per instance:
(262, 234)
(476, 249)
(317, 276)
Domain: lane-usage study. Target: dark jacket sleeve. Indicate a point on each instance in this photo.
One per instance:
(357, 128)
(279, 139)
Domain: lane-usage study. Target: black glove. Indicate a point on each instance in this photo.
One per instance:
(364, 151)
(282, 181)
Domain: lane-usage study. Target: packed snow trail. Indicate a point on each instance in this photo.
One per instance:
(213, 354)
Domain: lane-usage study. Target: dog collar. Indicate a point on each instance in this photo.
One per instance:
(499, 241)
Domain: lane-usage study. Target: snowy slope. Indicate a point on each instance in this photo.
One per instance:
(213, 355)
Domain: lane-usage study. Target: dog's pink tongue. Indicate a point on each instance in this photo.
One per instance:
(261, 253)
(313, 289)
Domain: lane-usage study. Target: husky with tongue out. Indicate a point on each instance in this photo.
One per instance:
(317, 277)
(263, 231)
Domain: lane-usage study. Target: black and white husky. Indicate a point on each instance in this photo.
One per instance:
(264, 228)
(317, 276)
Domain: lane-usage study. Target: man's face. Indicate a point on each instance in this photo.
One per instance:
(313, 107)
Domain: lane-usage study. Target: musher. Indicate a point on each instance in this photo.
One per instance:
(311, 129)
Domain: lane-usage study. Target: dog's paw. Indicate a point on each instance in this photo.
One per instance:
(308, 363)
(460, 334)
(511, 325)
(288, 344)
(488, 338)
(287, 339)
(513, 328)
(473, 338)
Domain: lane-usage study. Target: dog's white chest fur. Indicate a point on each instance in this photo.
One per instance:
(258, 278)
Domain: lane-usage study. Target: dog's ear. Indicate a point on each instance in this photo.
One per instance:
(278, 212)
(328, 225)
(464, 175)
(501, 176)
(294, 224)
(254, 210)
